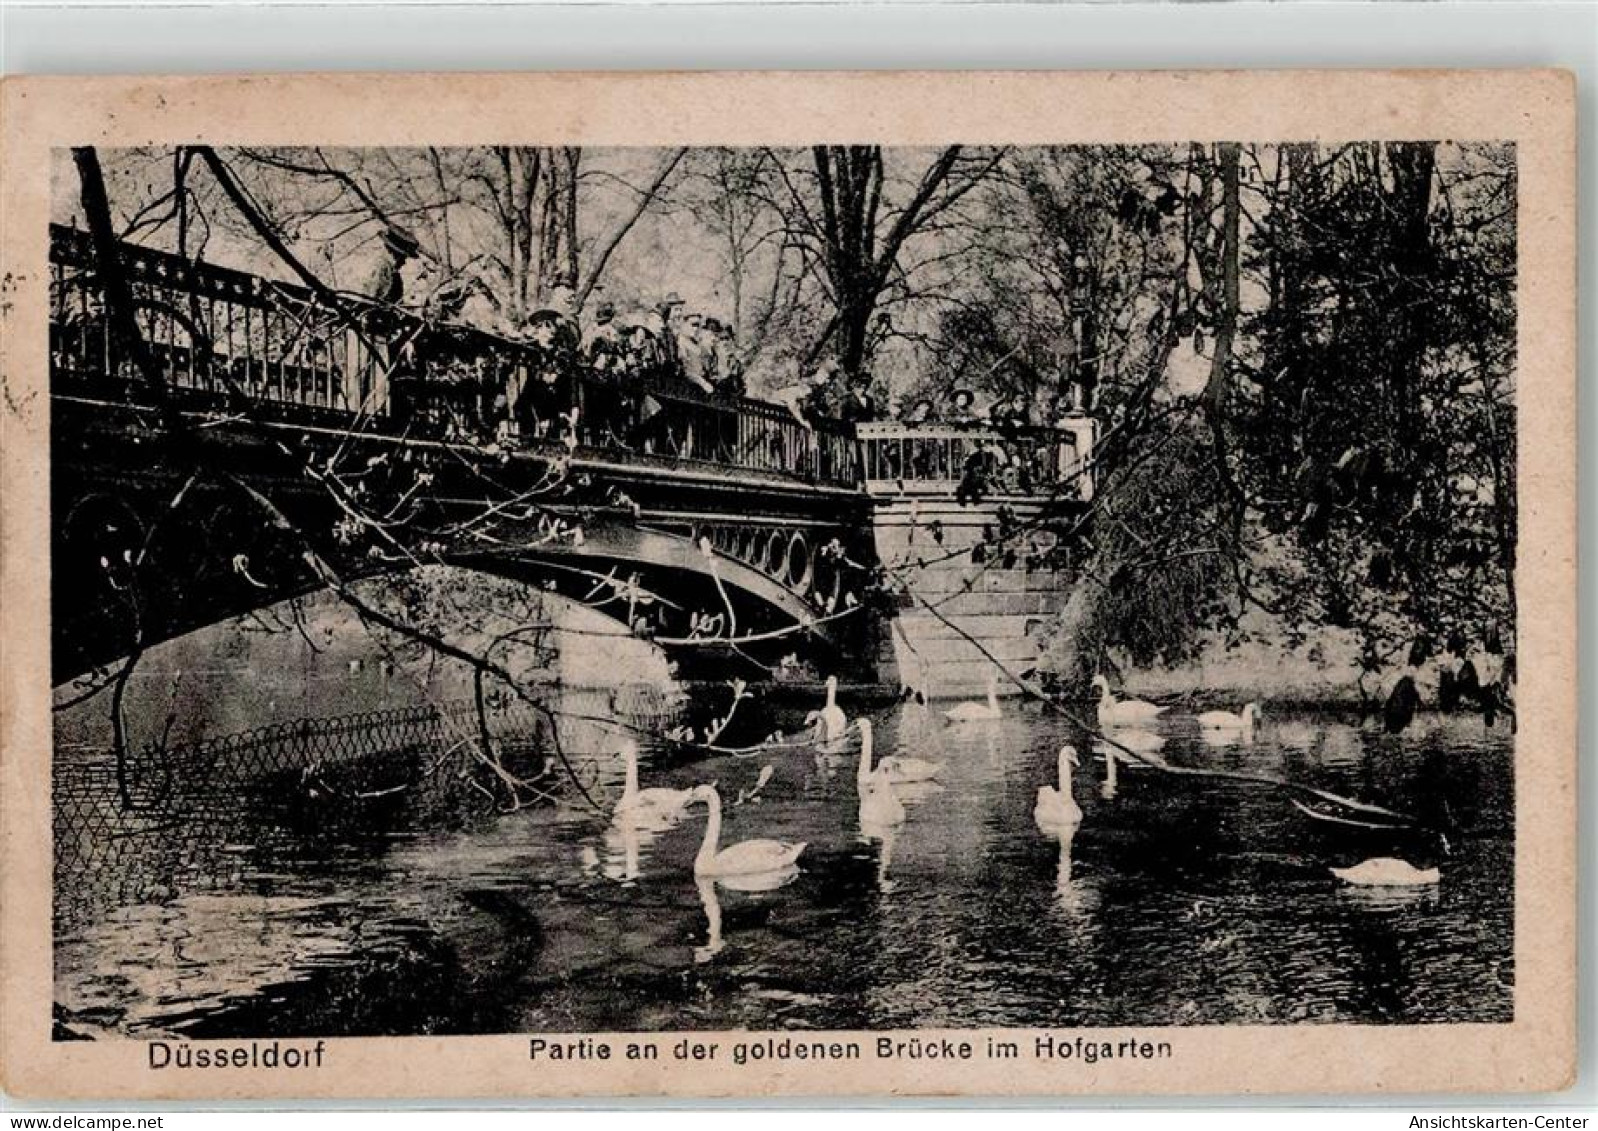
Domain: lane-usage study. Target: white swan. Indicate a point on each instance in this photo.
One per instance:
(747, 857)
(1226, 722)
(830, 721)
(646, 806)
(978, 712)
(1057, 808)
(1127, 712)
(1387, 872)
(879, 805)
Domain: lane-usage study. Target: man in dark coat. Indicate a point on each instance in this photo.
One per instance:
(602, 349)
(369, 391)
(550, 389)
(671, 356)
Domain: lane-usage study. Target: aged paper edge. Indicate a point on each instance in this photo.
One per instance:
(1535, 109)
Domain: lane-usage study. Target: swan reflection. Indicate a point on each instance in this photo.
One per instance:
(622, 844)
(1072, 898)
(713, 941)
(1111, 761)
(1135, 740)
(886, 834)
(711, 902)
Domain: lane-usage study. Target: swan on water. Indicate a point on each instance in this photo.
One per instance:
(1387, 872)
(879, 805)
(1128, 712)
(978, 712)
(745, 858)
(646, 805)
(830, 722)
(1057, 808)
(1227, 723)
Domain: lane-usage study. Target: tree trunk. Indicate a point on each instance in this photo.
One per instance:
(1215, 392)
(1409, 204)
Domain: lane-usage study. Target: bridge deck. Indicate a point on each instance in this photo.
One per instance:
(218, 336)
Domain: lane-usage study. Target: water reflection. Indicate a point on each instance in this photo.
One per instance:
(1075, 897)
(1137, 741)
(885, 836)
(713, 941)
(710, 901)
(622, 844)
(1174, 900)
(1111, 759)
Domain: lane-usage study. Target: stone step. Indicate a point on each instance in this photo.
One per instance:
(961, 678)
(958, 605)
(913, 651)
(952, 577)
(983, 626)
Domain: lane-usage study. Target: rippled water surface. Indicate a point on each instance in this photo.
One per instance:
(1179, 900)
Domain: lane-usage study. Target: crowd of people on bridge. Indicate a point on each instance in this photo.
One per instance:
(666, 380)
(544, 376)
(670, 380)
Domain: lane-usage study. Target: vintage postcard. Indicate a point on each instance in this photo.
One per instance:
(788, 585)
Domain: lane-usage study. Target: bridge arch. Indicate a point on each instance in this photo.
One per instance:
(739, 606)
(673, 565)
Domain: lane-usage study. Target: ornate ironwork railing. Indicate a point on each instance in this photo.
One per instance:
(976, 460)
(214, 333)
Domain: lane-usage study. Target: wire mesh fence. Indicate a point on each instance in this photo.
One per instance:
(193, 816)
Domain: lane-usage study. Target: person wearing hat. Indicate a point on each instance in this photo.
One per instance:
(602, 347)
(550, 385)
(641, 357)
(606, 404)
(1009, 415)
(562, 301)
(730, 381)
(697, 351)
(666, 333)
(366, 388)
(962, 406)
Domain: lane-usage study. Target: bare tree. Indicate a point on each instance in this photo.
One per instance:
(854, 219)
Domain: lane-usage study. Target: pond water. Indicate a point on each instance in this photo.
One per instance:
(1178, 900)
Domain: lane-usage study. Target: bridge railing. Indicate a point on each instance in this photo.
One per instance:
(975, 460)
(213, 332)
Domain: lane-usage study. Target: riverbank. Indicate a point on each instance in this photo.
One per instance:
(1261, 663)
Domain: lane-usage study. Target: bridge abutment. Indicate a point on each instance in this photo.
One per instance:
(972, 549)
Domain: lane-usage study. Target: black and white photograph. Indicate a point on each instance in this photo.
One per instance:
(512, 589)
(825, 603)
